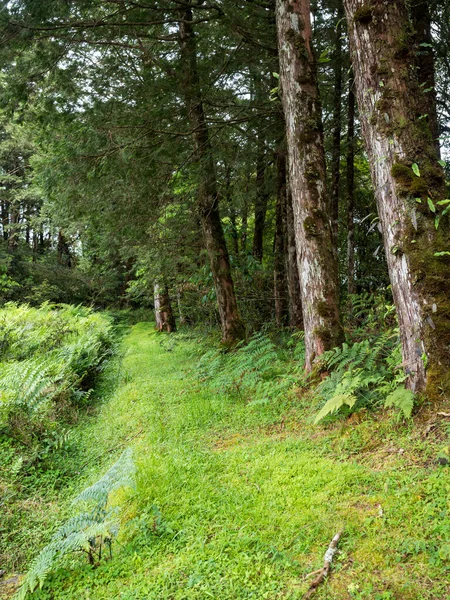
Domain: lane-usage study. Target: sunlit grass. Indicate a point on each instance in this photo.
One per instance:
(236, 501)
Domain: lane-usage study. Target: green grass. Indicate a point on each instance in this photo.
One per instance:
(239, 501)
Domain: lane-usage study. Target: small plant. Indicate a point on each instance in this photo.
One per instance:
(91, 531)
(366, 373)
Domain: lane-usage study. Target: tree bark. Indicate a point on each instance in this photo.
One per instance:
(421, 20)
(295, 294)
(63, 251)
(316, 254)
(260, 199)
(337, 126)
(165, 319)
(408, 182)
(280, 262)
(350, 188)
(233, 328)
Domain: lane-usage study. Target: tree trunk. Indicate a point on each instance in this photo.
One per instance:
(63, 251)
(13, 236)
(280, 262)
(260, 199)
(408, 182)
(165, 319)
(231, 210)
(316, 254)
(421, 21)
(233, 328)
(294, 291)
(350, 185)
(337, 126)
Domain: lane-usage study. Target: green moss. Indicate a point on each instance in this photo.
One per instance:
(310, 227)
(403, 175)
(418, 187)
(324, 310)
(364, 14)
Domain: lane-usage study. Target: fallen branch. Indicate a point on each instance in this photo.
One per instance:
(443, 414)
(324, 572)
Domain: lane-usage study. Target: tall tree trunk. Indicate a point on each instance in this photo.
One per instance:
(420, 13)
(280, 243)
(295, 294)
(260, 199)
(13, 236)
(165, 319)
(5, 219)
(231, 210)
(316, 254)
(337, 126)
(408, 182)
(63, 250)
(233, 328)
(350, 185)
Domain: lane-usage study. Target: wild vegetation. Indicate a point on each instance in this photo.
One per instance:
(267, 181)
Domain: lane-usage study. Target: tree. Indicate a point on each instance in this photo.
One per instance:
(409, 185)
(316, 254)
(232, 326)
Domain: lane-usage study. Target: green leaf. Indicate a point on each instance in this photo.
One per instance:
(402, 399)
(276, 75)
(334, 404)
(415, 168)
(443, 202)
(442, 163)
(436, 221)
(443, 253)
(431, 205)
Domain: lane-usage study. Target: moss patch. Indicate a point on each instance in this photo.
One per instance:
(364, 14)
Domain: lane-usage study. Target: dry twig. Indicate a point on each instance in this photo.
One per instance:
(324, 572)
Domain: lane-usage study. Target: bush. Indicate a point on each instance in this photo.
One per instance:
(49, 358)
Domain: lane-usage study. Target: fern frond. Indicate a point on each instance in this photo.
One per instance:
(121, 474)
(402, 399)
(82, 531)
(334, 404)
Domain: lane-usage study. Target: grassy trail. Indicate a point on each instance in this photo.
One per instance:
(237, 502)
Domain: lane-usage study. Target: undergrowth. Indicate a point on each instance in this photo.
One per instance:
(238, 499)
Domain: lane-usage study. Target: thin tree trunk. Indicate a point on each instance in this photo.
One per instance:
(260, 199)
(233, 328)
(165, 319)
(231, 209)
(337, 126)
(350, 185)
(316, 254)
(280, 262)
(13, 236)
(295, 294)
(244, 216)
(408, 182)
(5, 219)
(420, 13)
(63, 250)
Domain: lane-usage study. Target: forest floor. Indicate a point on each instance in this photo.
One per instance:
(237, 501)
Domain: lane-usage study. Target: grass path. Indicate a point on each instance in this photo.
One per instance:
(236, 503)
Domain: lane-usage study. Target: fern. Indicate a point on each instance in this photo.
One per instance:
(253, 370)
(364, 373)
(121, 474)
(334, 404)
(85, 532)
(402, 399)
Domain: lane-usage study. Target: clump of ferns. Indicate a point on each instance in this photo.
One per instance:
(368, 374)
(90, 532)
